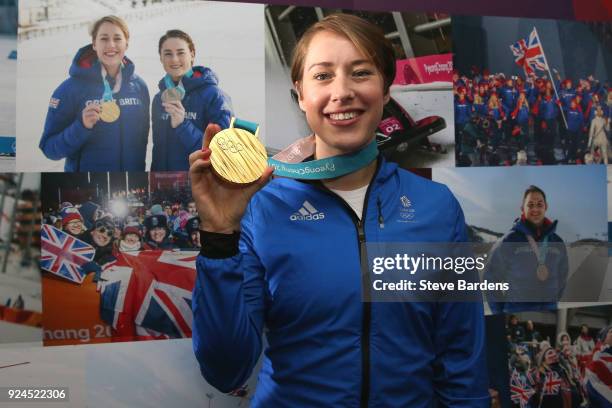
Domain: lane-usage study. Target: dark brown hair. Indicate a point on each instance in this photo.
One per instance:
(534, 189)
(365, 36)
(176, 34)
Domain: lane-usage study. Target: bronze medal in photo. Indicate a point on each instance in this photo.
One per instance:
(542, 272)
(109, 111)
(238, 156)
(172, 95)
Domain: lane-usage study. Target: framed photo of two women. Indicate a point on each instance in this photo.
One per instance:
(132, 89)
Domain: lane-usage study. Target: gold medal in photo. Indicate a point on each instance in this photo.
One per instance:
(109, 111)
(542, 272)
(238, 156)
(172, 95)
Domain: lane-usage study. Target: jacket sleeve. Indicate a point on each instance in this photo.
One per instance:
(64, 133)
(215, 109)
(460, 371)
(228, 314)
(496, 270)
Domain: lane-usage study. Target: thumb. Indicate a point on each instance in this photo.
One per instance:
(211, 130)
(262, 181)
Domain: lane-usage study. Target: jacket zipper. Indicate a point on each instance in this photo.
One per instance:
(366, 319)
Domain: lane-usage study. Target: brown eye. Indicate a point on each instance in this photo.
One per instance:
(322, 76)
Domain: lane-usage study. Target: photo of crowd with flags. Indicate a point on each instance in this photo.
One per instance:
(532, 113)
(567, 366)
(122, 246)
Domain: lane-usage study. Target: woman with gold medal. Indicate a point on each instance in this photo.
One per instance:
(98, 119)
(284, 258)
(532, 258)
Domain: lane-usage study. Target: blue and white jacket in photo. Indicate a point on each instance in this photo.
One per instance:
(116, 146)
(204, 103)
(298, 279)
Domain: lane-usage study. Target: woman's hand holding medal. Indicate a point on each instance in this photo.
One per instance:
(91, 115)
(176, 111)
(220, 204)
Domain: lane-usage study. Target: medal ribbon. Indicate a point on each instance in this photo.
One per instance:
(170, 83)
(321, 169)
(540, 255)
(289, 162)
(108, 92)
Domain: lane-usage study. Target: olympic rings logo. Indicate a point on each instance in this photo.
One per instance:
(226, 145)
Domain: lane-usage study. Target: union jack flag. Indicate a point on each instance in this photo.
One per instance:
(529, 54)
(148, 295)
(552, 383)
(520, 391)
(599, 376)
(63, 255)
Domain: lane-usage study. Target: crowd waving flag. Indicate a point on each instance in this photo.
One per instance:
(63, 255)
(529, 54)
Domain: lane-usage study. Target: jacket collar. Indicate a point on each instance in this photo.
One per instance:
(85, 65)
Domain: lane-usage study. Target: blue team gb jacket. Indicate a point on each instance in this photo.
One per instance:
(513, 260)
(117, 146)
(298, 275)
(204, 103)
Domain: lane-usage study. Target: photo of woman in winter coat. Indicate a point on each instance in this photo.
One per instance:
(531, 257)
(189, 98)
(157, 235)
(285, 258)
(98, 119)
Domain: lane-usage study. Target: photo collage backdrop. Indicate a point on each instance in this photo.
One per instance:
(487, 99)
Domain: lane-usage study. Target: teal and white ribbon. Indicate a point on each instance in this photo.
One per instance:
(540, 253)
(289, 162)
(108, 92)
(170, 83)
(327, 168)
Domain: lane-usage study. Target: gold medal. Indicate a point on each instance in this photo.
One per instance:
(109, 111)
(542, 272)
(172, 95)
(238, 156)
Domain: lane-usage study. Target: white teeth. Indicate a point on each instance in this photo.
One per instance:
(343, 115)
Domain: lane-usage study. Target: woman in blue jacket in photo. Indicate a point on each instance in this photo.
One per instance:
(78, 128)
(188, 100)
(288, 258)
(532, 258)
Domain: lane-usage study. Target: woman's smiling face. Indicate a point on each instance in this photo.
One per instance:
(534, 208)
(110, 44)
(342, 94)
(176, 57)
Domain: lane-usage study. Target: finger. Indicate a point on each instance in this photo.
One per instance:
(265, 177)
(199, 166)
(177, 104)
(199, 155)
(211, 130)
(92, 108)
(170, 108)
